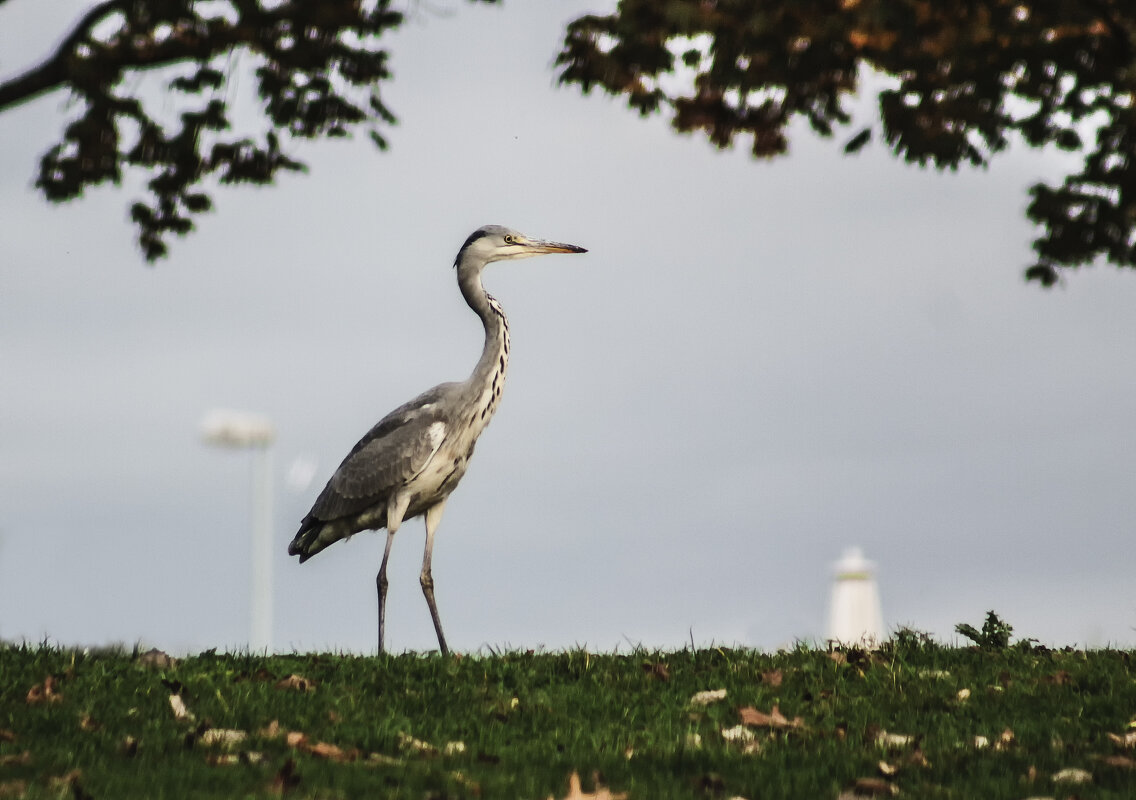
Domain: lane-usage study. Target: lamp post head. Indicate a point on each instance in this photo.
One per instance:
(226, 428)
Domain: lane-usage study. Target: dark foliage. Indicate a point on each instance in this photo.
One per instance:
(971, 75)
(318, 71)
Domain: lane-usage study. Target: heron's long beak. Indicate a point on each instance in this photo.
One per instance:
(536, 246)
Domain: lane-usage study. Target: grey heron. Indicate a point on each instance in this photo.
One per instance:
(410, 461)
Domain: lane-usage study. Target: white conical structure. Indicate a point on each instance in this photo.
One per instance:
(854, 615)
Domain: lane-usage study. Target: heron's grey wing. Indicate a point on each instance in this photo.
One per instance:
(384, 460)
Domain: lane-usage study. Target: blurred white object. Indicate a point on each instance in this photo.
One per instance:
(301, 473)
(854, 615)
(227, 428)
(242, 430)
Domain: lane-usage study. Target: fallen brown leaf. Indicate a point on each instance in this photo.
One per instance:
(297, 682)
(1127, 740)
(7, 735)
(657, 670)
(576, 793)
(295, 738)
(270, 731)
(772, 678)
(1004, 740)
(44, 692)
(156, 659)
(17, 788)
(707, 697)
(886, 769)
(89, 724)
(774, 719)
(224, 738)
(70, 781)
(331, 752)
(1124, 762)
(16, 759)
(385, 760)
(1072, 775)
(179, 709)
(874, 787)
(408, 742)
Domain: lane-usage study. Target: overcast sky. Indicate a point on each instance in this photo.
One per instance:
(756, 365)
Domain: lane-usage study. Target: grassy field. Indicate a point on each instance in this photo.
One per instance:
(913, 719)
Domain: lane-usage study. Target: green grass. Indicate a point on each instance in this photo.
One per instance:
(527, 721)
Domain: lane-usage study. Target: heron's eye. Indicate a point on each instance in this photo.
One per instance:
(508, 238)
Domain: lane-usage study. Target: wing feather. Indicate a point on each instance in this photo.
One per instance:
(392, 453)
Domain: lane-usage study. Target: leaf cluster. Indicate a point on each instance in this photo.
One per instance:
(969, 75)
(318, 69)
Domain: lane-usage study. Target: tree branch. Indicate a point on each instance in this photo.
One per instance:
(55, 71)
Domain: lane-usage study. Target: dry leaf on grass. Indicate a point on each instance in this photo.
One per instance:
(576, 793)
(156, 659)
(270, 731)
(326, 750)
(384, 760)
(1073, 775)
(1127, 740)
(16, 759)
(44, 692)
(886, 769)
(871, 787)
(89, 724)
(69, 782)
(408, 742)
(7, 735)
(741, 735)
(774, 719)
(17, 788)
(224, 738)
(179, 709)
(332, 752)
(1124, 762)
(707, 697)
(657, 670)
(296, 682)
(893, 741)
(773, 678)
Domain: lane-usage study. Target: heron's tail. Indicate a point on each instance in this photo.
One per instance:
(314, 535)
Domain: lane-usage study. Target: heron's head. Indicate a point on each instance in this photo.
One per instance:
(498, 243)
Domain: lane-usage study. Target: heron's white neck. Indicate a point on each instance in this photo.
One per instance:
(488, 377)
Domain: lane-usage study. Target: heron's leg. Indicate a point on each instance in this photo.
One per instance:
(381, 584)
(433, 517)
(396, 507)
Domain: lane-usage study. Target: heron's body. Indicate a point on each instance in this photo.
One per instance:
(412, 459)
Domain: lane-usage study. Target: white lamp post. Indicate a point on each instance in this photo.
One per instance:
(241, 430)
(854, 615)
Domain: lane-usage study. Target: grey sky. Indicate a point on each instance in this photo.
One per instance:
(755, 366)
